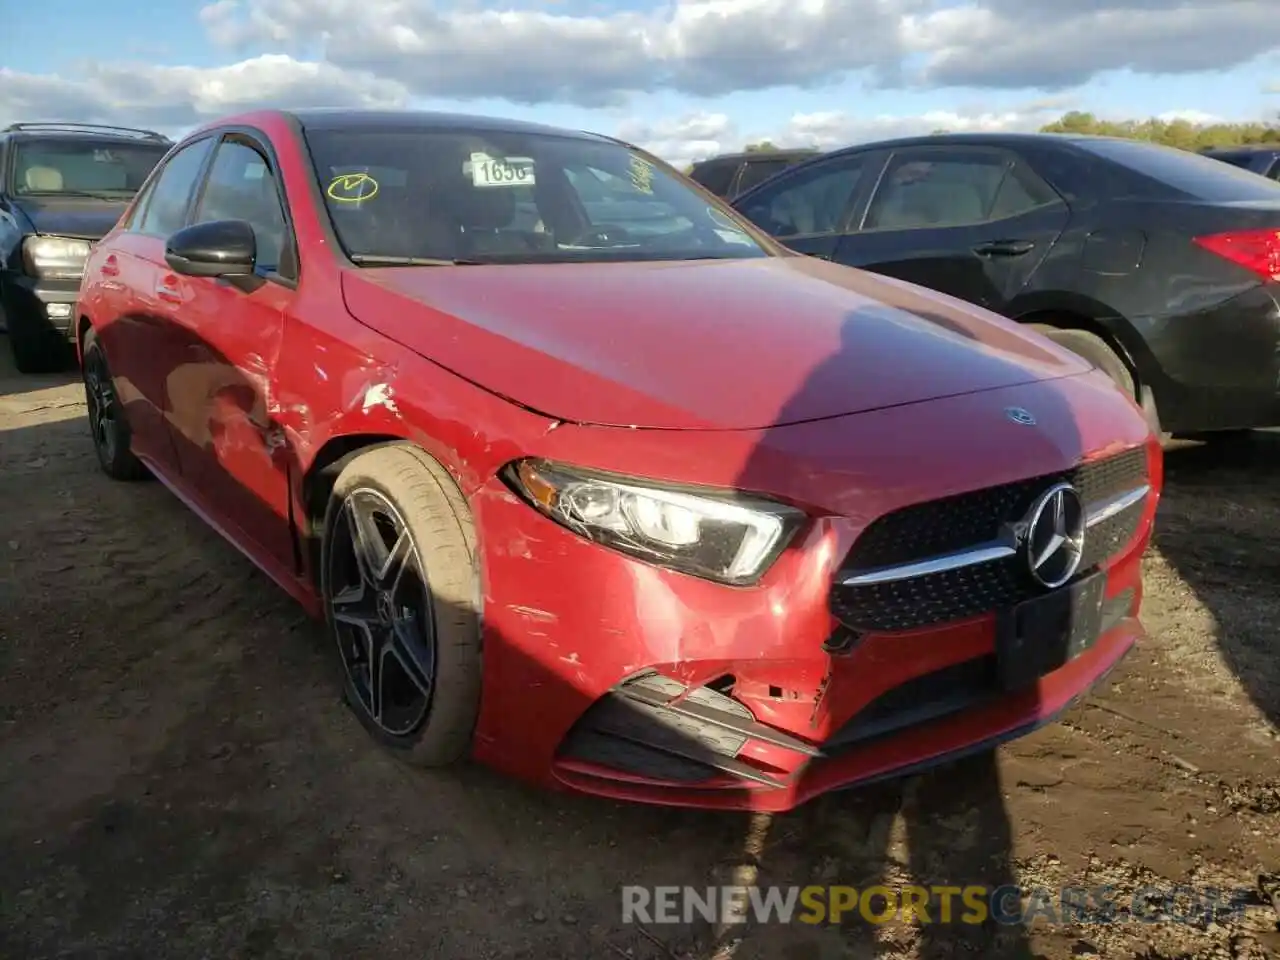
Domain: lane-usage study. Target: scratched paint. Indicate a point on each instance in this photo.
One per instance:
(379, 395)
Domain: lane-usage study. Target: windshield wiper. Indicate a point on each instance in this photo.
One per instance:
(376, 260)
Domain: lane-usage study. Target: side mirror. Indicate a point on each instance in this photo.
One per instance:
(218, 248)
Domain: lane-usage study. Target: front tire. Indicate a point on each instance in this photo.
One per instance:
(402, 600)
(37, 351)
(107, 422)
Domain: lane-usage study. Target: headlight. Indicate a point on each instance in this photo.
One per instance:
(55, 258)
(728, 538)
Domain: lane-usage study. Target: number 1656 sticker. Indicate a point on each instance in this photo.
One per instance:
(487, 171)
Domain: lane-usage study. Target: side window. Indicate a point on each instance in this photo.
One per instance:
(240, 186)
(1275, 170)
(164, 210)
(811, 201)
(759, 171)
(716, 176)
(139, 209)
(953, 188)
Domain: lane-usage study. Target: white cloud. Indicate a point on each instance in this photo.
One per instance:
(696, 136)
(390, 52)
(1052, 45)
(699, 47)
(682, 140)
(175, 97)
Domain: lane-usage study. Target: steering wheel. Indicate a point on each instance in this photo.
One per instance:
(602, 235)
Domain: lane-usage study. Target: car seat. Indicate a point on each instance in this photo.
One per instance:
(43, 179)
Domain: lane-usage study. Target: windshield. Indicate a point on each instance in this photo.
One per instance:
(113, 171)
(513, 197)
(1204, 178)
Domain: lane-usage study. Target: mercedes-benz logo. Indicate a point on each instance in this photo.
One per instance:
(1055, 529)
(1019, 415)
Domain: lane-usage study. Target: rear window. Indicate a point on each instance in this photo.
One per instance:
(760, 171)
(1244, 160)
(716, 176)
(1192, 174)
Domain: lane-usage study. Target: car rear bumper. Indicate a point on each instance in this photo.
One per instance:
(1218, 369)
(612, 677)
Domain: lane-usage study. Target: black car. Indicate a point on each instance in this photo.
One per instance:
(1160, 266)
(1261, 158)
(733, 173)
(62, 187)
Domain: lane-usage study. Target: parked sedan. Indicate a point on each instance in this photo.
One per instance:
(1157, 265)
(674, 516)
(730, 174)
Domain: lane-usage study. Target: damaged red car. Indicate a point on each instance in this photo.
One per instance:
(593, 482)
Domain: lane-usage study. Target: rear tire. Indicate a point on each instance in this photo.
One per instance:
(418, 617)
(107, 423)
(1094, 349)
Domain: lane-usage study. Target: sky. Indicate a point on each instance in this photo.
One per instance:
(683, 78)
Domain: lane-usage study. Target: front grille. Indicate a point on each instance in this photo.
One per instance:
(968, 520)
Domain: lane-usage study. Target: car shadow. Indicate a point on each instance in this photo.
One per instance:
(13, 383)
(1209, 533)
(955, 828)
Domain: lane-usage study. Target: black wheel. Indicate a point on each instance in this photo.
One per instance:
(107, 422)
(402, 596)
(1094, 349)
(37, 351)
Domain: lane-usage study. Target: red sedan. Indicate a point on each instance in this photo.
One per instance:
(595, 483)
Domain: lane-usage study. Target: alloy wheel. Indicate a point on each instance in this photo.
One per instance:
(100, 397)
(381, 611)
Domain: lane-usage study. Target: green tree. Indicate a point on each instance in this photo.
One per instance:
(1173, 133)
(764, 146)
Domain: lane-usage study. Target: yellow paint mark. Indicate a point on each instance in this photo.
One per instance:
(352, 188)
(641, 175)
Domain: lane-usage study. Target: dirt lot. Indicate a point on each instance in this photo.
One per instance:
(178, 778)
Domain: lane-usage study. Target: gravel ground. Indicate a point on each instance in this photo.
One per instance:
(178, 778)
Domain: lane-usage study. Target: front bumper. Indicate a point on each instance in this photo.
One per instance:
(609, 676)
(36, 307)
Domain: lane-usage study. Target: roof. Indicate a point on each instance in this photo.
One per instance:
(66, 130)
(778, 154)
(979, 139)
(338, 118)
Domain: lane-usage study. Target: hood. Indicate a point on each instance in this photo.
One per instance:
(83, 218)
(728, 344)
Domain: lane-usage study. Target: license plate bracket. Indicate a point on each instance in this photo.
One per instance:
(1040, 635)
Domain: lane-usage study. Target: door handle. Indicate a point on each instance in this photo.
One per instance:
(111, 266)
(1004, 248)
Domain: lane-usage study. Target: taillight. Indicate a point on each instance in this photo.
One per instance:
(1255, 250)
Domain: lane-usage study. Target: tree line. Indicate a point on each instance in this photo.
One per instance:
(1172, 133)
